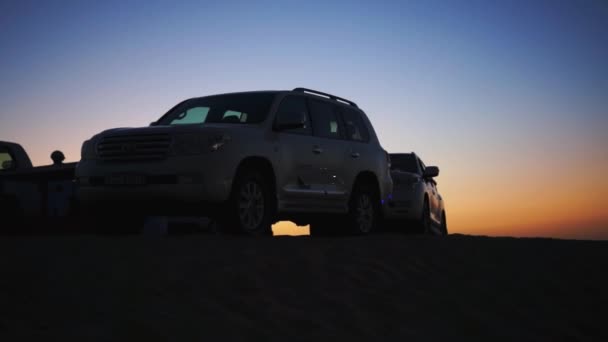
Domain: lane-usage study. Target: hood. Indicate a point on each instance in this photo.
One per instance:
(176, 129)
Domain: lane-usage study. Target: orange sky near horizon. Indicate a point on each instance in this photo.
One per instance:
(551, 187)
(527, 195)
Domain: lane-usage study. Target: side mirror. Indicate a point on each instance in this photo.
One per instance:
(291, 120)
(431, 171)
(153, 123)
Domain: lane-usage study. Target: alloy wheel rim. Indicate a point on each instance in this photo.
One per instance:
(251, 205)
(365, 214)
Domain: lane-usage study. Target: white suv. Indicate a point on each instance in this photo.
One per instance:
(415, 195)
(246, 159)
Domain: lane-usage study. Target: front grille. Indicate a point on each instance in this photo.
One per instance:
(134, 147)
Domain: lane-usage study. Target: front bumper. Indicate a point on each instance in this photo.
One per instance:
(405, 203)
(178, 181)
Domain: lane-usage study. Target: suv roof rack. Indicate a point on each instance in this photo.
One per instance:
(332, 97)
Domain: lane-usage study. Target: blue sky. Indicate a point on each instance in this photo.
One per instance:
(479, 87)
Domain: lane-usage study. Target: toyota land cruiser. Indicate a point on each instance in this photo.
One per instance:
(247, 159)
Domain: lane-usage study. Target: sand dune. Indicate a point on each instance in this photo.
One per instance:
(385, 287)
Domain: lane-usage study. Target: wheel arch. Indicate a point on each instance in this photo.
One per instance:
(367, 177)
(257, 163)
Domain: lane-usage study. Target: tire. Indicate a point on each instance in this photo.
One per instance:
(250, 208)
(424, 224)
(444, 224)
(363, 211)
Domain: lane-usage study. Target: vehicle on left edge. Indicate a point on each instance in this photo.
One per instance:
(34, 198)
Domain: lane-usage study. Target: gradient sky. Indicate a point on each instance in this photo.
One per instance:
(509, 99)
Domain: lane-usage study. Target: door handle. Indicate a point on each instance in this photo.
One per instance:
(317, 150)
(355, 155)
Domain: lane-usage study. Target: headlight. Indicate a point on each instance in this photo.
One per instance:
(189, 143)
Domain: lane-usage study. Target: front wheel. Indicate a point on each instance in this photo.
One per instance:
(250, 208)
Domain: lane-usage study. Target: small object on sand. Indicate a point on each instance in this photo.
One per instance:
(156, 226)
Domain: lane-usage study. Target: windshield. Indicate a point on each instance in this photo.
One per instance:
(404, 162)
(243, 108)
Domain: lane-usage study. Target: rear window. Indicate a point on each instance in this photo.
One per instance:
(294, 105)
(404, 162)
(244, 108)
(325, 123)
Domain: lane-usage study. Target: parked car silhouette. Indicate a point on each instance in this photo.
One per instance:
(415, 196)
(246, 159)
(32, 195)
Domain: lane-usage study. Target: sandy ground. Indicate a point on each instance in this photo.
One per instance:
(384, 287)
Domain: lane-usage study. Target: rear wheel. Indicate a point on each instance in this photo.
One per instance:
(250, 209)
(363, 213)
(362, 218)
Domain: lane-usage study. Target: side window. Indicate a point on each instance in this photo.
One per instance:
(354, 127)
(6, 161)
(234, 116)
(294, 107)
(195, 115)
(325, 123)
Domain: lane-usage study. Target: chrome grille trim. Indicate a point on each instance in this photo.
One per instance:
(134, 147)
